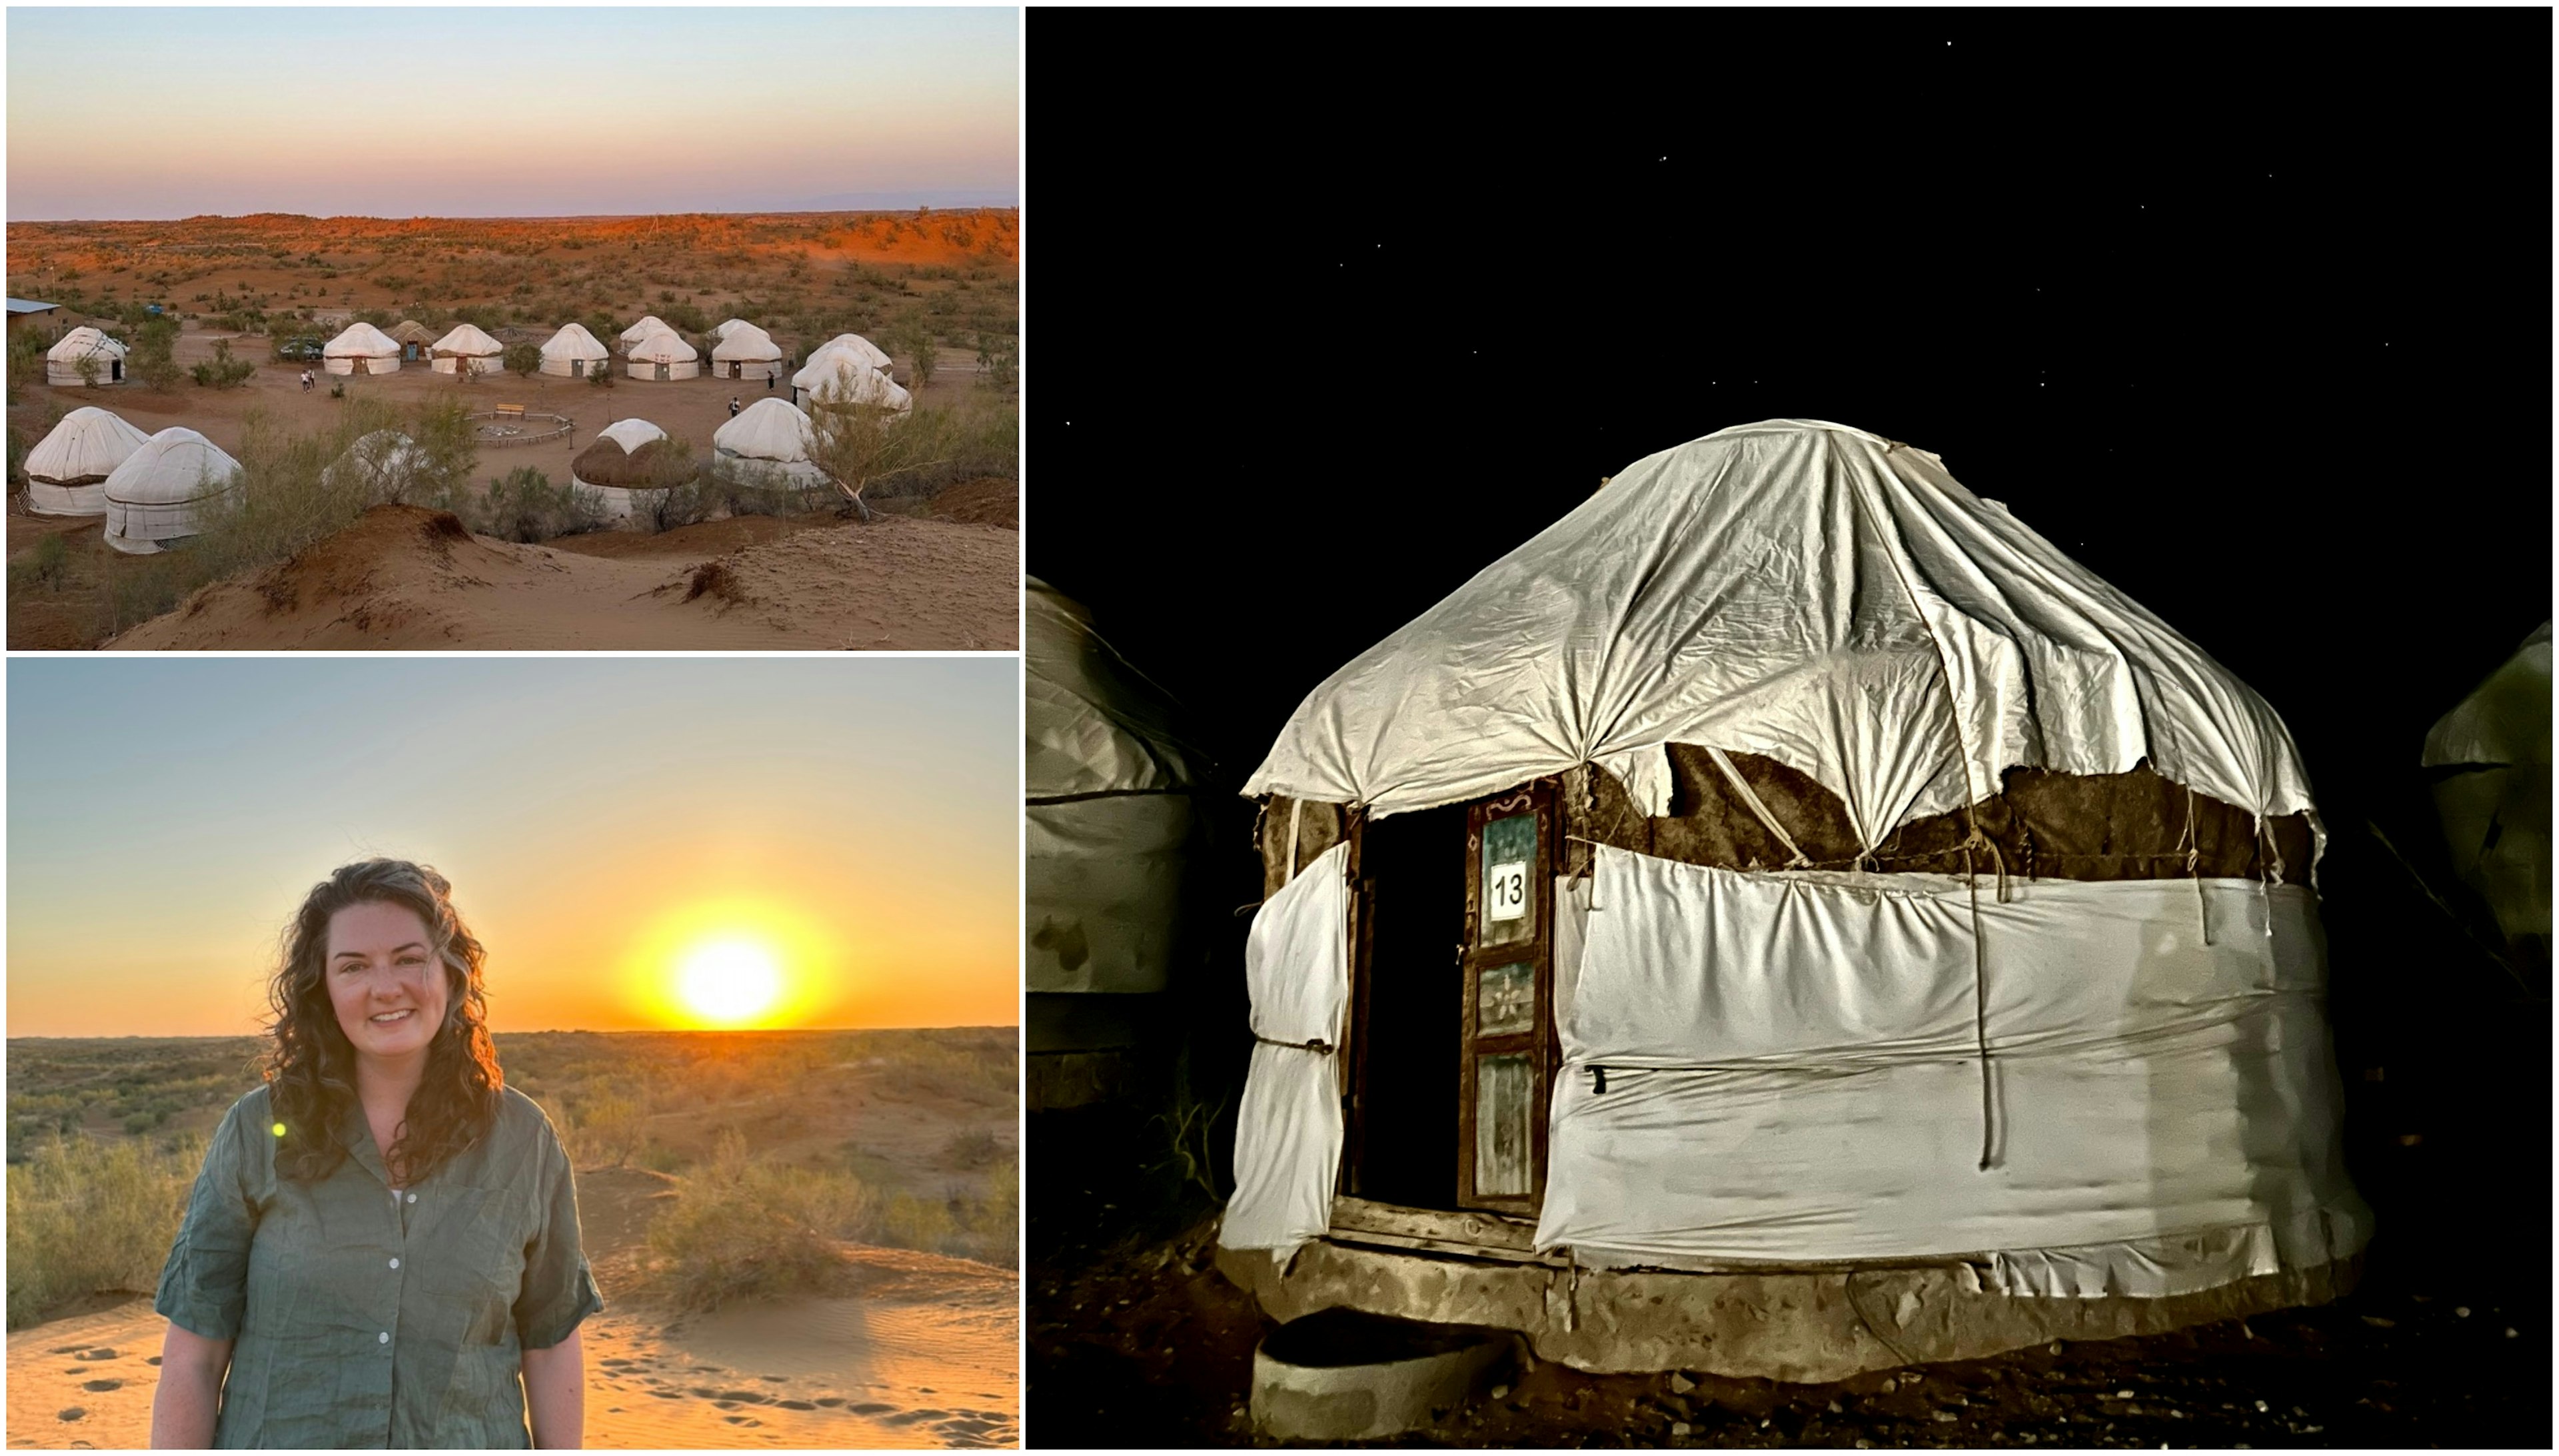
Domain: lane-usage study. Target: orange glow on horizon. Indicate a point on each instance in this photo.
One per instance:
(737, 964)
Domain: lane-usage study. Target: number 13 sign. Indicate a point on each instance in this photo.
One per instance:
(1506, 890)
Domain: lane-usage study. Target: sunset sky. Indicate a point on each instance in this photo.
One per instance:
(608, 825)
(117, 112)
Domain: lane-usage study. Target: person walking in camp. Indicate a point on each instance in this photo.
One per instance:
(732, 407)
(382, 1248)
(306, 381)
(769, 377)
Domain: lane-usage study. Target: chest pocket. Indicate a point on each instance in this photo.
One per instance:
(471, 1252)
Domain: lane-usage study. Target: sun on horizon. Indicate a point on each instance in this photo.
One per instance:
(729, 982)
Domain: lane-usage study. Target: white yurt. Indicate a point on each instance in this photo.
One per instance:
(859, 347)
(574, 352)
(841, 376)
(662, 355)
(384, 465)
(631, 434)
(468, 347)
(1109, 784)
(1847, 887)
(767, 445)
(361, 349)
(648, 325)
(63, 360)
(153, 498)
(746, 353)
(618, 465)
(723, 327)
(66, 470)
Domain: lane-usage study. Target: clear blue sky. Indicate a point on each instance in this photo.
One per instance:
(165, 818)
(121, 112)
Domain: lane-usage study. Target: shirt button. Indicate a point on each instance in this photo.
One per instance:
(395, 1263)
(412, 1197)
(385, 1336)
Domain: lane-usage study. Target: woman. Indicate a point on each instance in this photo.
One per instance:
(382, 1248)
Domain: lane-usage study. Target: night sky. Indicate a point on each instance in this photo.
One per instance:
(2251, 314)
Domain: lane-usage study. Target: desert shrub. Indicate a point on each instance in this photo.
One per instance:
(606, 1130)
(742, 1229)
(47, 566)
(525, 506)
(154, 361)
(522, 359)
(19, 445)
(599, 375)
(973, 1149)
(87, 1217)
(657, 1157)
(26, 359)
(223, 371)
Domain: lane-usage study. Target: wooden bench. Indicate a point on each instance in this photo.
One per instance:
(510, 411)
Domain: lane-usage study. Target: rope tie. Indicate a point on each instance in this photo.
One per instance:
(2190, 839)
(1316, 1045)
(1981, 987)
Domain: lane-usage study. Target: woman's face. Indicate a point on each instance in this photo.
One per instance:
(384, 980)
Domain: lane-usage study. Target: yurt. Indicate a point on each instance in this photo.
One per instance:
(843, 378)
(722, 329)
(360, 350)
(106, 355)
(1108, 820)
(153, 498)
(651, 323)
(466, 349)
(415, 340)
(384, 465)
(745, 352)
(574, 352)
(1878, 941)
(856, 346)
(625, 464)
(662, 355)
(767, 445)
(66, 470)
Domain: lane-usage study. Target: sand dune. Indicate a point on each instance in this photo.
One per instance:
(403, 577)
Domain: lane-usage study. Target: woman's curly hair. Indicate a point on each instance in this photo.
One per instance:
(311, 1067)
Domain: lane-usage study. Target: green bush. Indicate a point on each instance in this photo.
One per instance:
(47, 566)
(744, 1230)
(522, 359)
(525, 506)
(89, 1218)
(154, 362)
(224, 371)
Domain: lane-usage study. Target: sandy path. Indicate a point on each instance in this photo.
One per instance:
(923, 1356)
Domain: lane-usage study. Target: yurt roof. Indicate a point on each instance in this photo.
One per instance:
(1092, 723)
(631, 434)
(1828, 598)
(749, 343)
(171, 468)
(360, 341)
(861, 348)
(83, 343)
(857, 383)
(410, 330)
(606, 463)
(647, 326)
(771, 428)
(663, 346)
(2505, 720)
(726, 325)
(468, 339)
(88, 445)
(573, 341)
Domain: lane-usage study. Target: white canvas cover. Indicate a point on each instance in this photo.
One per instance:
(68, 469)
(857, 346)
(840, 377)
(648, 325)
(2492, 787)
(384, 465)
(61, 361)
(1288, 1126)
(361, 348)
(571, 346)
(631, 434)
(721, 330)
(466, 347)
(154, 495)
(769, 429)
(1107, 785)
(1828, 598)
(663, 346)
(746, 344)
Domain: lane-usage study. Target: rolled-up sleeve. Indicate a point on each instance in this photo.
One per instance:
(204, 1289)
(559, 1289)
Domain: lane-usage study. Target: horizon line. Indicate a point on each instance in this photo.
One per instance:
(555, 1031)
(1012, 207)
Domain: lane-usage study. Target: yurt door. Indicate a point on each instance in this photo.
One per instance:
(1508, 1057)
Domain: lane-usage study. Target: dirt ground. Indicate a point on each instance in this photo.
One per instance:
(1137, 1341)
(917, 1349)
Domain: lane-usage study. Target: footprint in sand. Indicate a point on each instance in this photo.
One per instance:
(777, 1380)
(154, 1360)
(828, 1400)
(74, 1413)
(795, 1404)
(742, 1420)
(101, 1384)
(870, 1407)
(751, 1397)
(668, 1395)
(101, 1353)
(909, 1417)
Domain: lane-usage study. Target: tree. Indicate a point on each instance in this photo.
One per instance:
(154, 360)
(87, 368)
(523, 358)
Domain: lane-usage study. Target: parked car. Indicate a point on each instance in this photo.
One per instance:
(298, 349)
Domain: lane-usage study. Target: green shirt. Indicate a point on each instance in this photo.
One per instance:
(363, 1315)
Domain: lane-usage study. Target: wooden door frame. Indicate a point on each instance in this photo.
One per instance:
(1539, 1040)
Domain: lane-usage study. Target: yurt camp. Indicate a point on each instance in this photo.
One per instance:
(154, 497)
(1878, 941)
(574, 352)
(104, 358)
(767, 446)
(628, 467)
(839, 376)
(66, 470)
(746, 353)
(467, 350)
(662, 355)
(415, 340)
(1108, 788)
(384, 465)
(649, 324)
(360, 350)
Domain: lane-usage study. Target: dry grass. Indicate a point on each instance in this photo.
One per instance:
(90, 1216)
